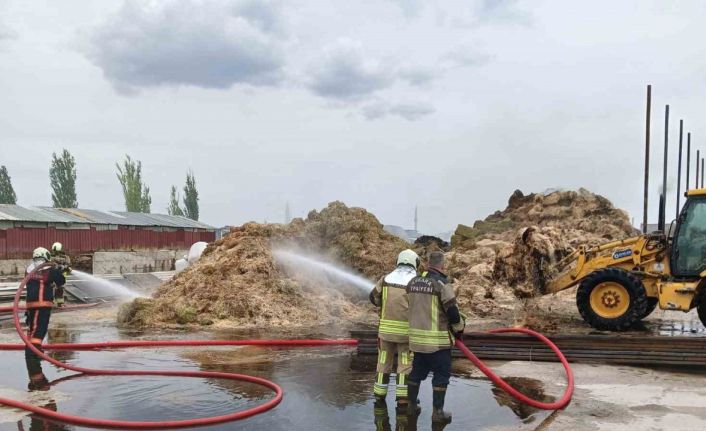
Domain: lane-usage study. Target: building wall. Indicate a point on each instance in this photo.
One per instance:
(19, 242)
(122, 262)
(13, 267)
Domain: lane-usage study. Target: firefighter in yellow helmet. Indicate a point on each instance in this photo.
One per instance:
(390, 295)
(434, 323)
(63, 262)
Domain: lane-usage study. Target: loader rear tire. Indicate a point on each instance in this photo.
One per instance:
(612, 299)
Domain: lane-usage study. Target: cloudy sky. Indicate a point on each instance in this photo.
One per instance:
(384, 104)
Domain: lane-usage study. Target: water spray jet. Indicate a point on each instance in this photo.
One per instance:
(288, 257)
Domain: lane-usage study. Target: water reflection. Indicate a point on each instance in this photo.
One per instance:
(325, 387)
(39, 382)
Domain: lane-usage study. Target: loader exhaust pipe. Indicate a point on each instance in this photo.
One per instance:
(660, 221)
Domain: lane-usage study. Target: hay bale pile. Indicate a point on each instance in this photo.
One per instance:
(237, 281)
(495, 261)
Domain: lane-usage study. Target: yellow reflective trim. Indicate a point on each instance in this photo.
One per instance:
(382, 357)
(384, 302)
(404, 358)
(434, 313)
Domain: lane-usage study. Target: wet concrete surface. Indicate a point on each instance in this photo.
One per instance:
(325, 388)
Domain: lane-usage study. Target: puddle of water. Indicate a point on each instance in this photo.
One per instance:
(325, 388)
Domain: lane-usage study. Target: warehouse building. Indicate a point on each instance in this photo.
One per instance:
(84, 231)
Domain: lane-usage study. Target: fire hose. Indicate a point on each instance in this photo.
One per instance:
(229, 417)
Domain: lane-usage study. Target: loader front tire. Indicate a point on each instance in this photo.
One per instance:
(612, 299)
(701, 310)
(652, 303)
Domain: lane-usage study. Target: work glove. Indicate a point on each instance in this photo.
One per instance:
(65, 269)
(458, 328)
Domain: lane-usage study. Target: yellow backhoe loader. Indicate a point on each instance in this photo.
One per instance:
(622, 282)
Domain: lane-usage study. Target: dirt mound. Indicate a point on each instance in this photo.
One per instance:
(237, 281)
(499, 259)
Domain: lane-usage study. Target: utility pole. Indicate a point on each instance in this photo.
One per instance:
(663, 199)
(698, 161)
(688, 158)
(647, 159)
(681, 131)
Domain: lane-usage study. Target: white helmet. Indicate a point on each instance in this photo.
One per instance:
(408, 257)
(41, 253)
(57, 247)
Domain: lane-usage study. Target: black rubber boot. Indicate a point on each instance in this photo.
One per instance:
(439, 415)
(382, 417)
(406, 422)
(413, 407)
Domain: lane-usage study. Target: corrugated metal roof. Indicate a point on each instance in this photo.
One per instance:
(83, 216)
(145, 219)
(98, 217)
(34, 214)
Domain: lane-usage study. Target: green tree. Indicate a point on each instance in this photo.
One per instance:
(174, 208)
(191, 197)
(62, 176)
(7, 193)
(136, 194)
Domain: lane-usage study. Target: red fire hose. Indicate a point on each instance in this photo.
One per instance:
(120, 424)
(557, 405)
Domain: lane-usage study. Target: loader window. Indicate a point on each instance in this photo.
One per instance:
(690, 243)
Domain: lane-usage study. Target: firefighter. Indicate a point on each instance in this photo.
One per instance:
(40, 296)
(59, 257)
(434, 321)
(390, 295)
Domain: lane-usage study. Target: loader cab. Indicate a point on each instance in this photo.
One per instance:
(688, 257)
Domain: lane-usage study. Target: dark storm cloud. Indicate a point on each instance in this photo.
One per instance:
(408, 111)
(343, 73)
(209, 44)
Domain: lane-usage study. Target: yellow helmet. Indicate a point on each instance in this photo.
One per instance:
(41, 253)
(57, 247)
(408, 257)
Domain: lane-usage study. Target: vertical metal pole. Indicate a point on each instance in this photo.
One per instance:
(702, 172)
(647, 159)
(688, 158)
(681, 131)
(698, 160)
(664, 168)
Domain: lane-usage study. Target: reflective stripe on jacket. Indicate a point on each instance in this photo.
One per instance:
(429, 297)
(391, 296)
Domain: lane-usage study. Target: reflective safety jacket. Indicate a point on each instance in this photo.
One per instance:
(432, 313)
(63, 260)
(40, 291)
(391, 296)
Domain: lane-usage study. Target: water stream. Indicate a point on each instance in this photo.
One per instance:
(292, 259)
(109, 287)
